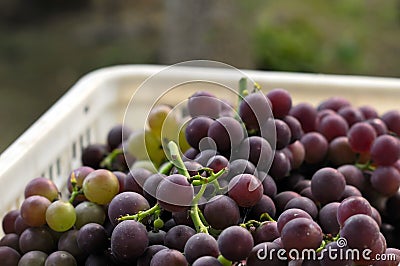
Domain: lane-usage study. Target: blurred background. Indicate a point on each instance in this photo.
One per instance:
(47, 45)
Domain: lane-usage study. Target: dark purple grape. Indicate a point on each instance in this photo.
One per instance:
(36, 238)
(149, 253)
(306, 192)
(264, 205)
(9, 256)
(283, 134)
(150, 187)
(296, 131)
(379, 126)
(392, 258)
(332, 126)
(121, 180)
(280, 166)
(386, 180)
(33, 210)
(265, 254)
(227, 133)
(129, 240)
(10, 240)
(282, 198)
(60, 258)
(33, 258)
(177, 237)
(303, 203)
(315, 146)
(377, 216)
(156, 237)
(340, 152)
(267, 232)
(227, 243)
(300, 234)
(192, 167)
(258, 151)
(167, 197)
(392, 121)
(245, 189)
(126, 203)
(360, 231)
(68, 242)
(302, 184)
(20, 225)
(361, 135)
(8, 222)
(385, 150)
(281, 102)
(351, 114)
(190, 154)
(298, 154)
(327, 185)
(197, 129)
(92, 238)
(207, 261)
(254, 110)
(327, 217)
(204, 156)
(240, 166)
(221, 212)
(333, 103)
(135, 179)
(93, 155)
(79, 174)
(168, 257)
(268, 183)
(350, 191)
(200, 245)
(353, 176)
(306, 114)
(203, 103)
(368, 112)
(289, 215)
(116, 135)
(352, 206)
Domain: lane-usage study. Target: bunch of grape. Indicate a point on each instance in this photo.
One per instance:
(234, 185)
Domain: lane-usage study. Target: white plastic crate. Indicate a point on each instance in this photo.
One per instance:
(52, 146)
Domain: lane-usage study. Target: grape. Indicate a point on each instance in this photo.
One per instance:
(264, 205)
(68, 242)
(116, 135)
(281, 102)
(217, 163)
(302, 184)
(126, 203)
(174, 202)
(350, 191)
(389, 253)
(303, 203)
(332, 126)
(315, 146)
(149, 253)
(386, 180)
(203, 103)
(254, 110)
(294, 126)
(36, 238)
(177, 237)
(258, 151)
(379, 126)
(157, 117)
(352, 206)
(150, 187)
(298, 154)
(204, 156)
(282, 198)
(190, 154)
(129, 240)
(306, 114)
(192, 167)
(283, 134)
(351, 114)
(43, 187)
(20, 225)
(33, 210)
(280, 166)
(197, 129)
(368, 112)
(207, 261)
(269, 185)
(392, 121)
(100, 186)
(33, 258)
(10, 240)
(360, 231)
(327, 217)
(377, 216)
(327, 185)
(385, 150)
(135, 180)
(227, 243)
(144, 145)
(9, 221)
(60, 216)
(200, 245)
(168, 257)
(9, 256)
(333, 103)
(60, 258)
(89, 212)
(92, 238)
(289, 215)
(79, 174)
(266, 232)
(156, 237)
(240, 166)
(300, 234)
(93, 155)
(245, 189)
(265, 254)
(353, 176)
(221, 206)
(340, 152)
(227, 133)
(361, 135)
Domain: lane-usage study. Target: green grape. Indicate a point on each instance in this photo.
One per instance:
(183, 144)
(156, 118)
(145, 146)
(60, 216)
(89, 212)
(100, 186)
(146, 164)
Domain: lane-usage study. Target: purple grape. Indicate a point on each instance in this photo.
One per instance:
(268, 183)
(368, 112)
(177, 237)
(386, 180)
(280, 167)
(379, 126)
(300, 234)
(327, 185)
(351, 115)
(9, 256)
(306, 114)
(245, 189)
(303, 203)
(315, 146)
(361, 135)
(254, 110)
(340, 152)
(207, 261)
(350, 191)
(332, 126)
(282, 198)
(200, 245)
(258, 151)
(267, 232)
(197, 129)
(227, 243)
(126, 203)
(168, 257)
(281, 102)
(385, 150)
(221, 212)
(289, 215)
(148, 254)
(227, 133)
(8, 223)
(92, 238)
(352, 206)
(353, 176)
(392, 121)
(117, 135)
(327, 217)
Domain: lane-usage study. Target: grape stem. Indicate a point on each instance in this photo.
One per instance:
(176, 159)
(224, 261)
(195, 212)
(142, 214)
(108, 160)
(75, 189)
(166, 168)
(267, 217)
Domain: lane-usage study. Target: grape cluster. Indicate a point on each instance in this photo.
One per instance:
(224, 185)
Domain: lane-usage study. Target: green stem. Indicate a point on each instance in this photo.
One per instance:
(142, 214)
(194, 212)
(198, 180)
(243, 92)
(74, 194)
(223, 261)
(266, 216)
(108, 160)
(321, 247)
(176, 159)
(166, 168)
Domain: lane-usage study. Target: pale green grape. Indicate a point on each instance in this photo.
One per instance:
(156, 118)
(60, 216)
(89, 212)
(146, 164)
(100, 186)
(145, 146)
